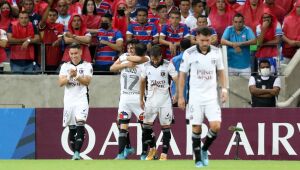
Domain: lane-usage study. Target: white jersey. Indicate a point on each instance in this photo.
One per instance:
(64, 21)
(76, 93)
(158, 83)
(202, 70)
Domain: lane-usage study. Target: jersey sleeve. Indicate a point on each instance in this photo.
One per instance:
(3, 35)
(143, 71)
(171, 70)
(119, 36)
(184, 65)
(129, 29)
(277, 82)
(186, 32)
(88, 71)
(63, 71)
(164, 31)
(220, 64)
(226, 34)
(251, 81)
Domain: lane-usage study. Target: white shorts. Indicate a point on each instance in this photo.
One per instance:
(197, 112)
(126, 109)
(165, 115)
(75, 113)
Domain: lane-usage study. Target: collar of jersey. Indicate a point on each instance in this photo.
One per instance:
(161, 63)
(199, 50)
(81, 61)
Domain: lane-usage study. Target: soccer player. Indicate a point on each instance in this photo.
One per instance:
(156, 75)
(75, 75)
(204, 64)
(129, 104)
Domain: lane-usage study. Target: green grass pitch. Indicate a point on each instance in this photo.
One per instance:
(145, 165)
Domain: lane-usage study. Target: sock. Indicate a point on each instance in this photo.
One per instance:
(211, 136)
(196, 138)
(144, 144)
(72, 133)
(79, 138)
(166, 140)
(122, 140)
(128, 145)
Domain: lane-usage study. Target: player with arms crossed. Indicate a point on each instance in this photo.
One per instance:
(158, 101)
(204, 64)
(130, 67)
(75, 76)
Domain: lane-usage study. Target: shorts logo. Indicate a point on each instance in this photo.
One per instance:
(123, 115)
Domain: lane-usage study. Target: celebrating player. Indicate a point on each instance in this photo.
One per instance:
(75, 76)
(130, 69)
(156, 75)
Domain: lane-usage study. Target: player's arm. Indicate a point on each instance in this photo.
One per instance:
(85, 80)
(222, 81)
(180, 89)
(142, 93)
(118, 66)
(137, 59)
(175, 97)
(63, 80)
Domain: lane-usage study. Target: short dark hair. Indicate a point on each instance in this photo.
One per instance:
(202, 16)
(195, 2)
(133, 41)
(75, 45)
(142, 9)
(204, 31)
(155, 51)
(184, 1)
(108, 15)
(140, 49)
(238, 15)
(264, 61)
(176, 12)
(159, 7)
(185, 44)
(53, 10)
(23, 12)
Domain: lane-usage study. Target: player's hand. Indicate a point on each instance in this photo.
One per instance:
(142, 104)
(238, 49)
(224, 95)
(181, 103)
(174, 99)
(265, 25)
(103, 42)
(73, 72)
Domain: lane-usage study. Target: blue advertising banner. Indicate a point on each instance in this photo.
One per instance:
(17, 133)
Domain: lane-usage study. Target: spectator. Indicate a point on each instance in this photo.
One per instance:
(252, 11)
(172, 34)
(233, 4)
(142, 30)
(221, 11)
(63, 16)
(277, 10)
(170, 6)
(120, 19)
(21, 35)
(110, 44)
(3, 43)
(75, 7)
(92, 21)
(198, 9)
(15, 4)
(28, 6)
(50, 31)
(103, 7)
(287, 5)
(264, 88)
(152, 13)
(238, 39)
(40, 7)
(184, 7)
(268, 38)
(184, 44)
(163, 17)
(132, 9)
(77, 33)
(202, 22)
(6, 15)
(291, 30)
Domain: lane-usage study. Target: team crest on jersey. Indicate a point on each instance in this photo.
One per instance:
(148, 32)
(163, 74)
(80, 71)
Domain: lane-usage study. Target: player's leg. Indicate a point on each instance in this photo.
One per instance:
(148, 133)
(196, 119)
(72, 135)
(165, 119)
(81, 114)
(123, 120)
(213, 114)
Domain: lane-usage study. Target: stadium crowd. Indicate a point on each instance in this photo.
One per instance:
(251, 30)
